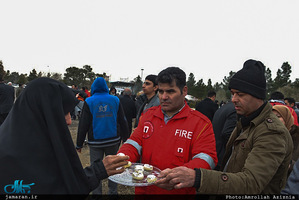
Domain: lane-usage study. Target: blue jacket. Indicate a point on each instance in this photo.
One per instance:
(102, 117)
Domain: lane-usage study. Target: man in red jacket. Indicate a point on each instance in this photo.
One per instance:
(172, 134)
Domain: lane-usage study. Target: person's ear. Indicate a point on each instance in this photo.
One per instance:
(185, 90)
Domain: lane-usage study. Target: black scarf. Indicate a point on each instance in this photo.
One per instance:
(245, 121)
(36, 148)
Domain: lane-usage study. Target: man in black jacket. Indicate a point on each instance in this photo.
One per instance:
(150, 89)
(128, 106)
(224, 122)
(208, 106)
(7, 98)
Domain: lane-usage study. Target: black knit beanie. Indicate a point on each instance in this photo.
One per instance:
(250, 79)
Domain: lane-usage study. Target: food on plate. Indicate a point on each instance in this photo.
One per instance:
(148, 167)
(139, 168)
(128, 165)
(151, 178)
(137, 175)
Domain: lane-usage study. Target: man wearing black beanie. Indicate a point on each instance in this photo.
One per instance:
(250, 79)
(258, 152)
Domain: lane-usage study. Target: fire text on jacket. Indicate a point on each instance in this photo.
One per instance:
(183, 133)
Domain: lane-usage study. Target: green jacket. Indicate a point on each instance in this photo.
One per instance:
(259, 162)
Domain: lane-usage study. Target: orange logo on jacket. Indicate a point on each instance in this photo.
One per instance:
(148, 130)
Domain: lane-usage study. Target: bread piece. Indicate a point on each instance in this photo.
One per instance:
(151, 178)
(137, 176)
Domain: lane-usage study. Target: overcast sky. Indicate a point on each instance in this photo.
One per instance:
(121, 37)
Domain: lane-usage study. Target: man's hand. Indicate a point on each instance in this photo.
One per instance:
(115, 164)
(162, 182)
(179, 177)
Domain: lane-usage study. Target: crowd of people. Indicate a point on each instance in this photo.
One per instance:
(247, 146)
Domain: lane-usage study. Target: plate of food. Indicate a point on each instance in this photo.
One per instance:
(137, 174)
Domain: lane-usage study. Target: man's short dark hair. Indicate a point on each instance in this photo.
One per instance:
(171, 74)
(290, 100)
(152, 78)
(211, 93)
(277, 96)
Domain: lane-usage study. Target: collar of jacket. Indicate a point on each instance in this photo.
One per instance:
(208, 99)
(149, 100)
(245, 121)
(183, 113)
(263, 114)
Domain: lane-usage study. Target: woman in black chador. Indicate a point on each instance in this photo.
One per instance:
(37, 154)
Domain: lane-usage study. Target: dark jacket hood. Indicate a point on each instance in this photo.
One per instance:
(99, 86)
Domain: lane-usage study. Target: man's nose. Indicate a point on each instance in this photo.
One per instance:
(234, 97)
(164, 95)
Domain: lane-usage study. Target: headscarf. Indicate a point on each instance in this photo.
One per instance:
(36, 148)
(285, 114)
